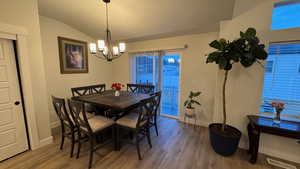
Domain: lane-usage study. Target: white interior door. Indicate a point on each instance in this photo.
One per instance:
(13, 139)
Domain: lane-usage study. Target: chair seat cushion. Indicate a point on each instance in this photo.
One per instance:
(129, 120)
(98, 123)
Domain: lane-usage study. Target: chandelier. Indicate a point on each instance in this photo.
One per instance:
(105, 49)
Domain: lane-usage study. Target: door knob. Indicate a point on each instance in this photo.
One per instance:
(17, 103)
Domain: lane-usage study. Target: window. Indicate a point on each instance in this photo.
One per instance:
(286, 15)
(269, 66)
(282, 80)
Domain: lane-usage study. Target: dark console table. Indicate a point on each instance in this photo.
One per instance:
(258, 124)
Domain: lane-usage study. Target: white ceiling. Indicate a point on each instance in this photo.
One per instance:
(140, 19)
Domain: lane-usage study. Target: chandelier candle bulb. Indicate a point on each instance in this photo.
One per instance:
(101, 45)
(115, 50)
(122, 47)
(105, 50)
(93, 48)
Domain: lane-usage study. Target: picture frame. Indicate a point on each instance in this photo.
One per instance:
(73, 56)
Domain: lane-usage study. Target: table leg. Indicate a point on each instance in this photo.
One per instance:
(115, 138)
(250, 136)
(256, 136)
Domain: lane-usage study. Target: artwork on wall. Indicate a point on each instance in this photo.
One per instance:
(73, 56)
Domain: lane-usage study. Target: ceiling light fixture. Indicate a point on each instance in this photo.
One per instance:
(105, 48)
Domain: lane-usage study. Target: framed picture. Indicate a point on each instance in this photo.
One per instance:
(73, 56)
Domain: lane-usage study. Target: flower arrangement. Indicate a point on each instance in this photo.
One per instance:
(278, 106)
(117, 86)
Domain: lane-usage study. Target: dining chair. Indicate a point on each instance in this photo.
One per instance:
(154, 114)
(146, 88)
(90, 127)
(137, 123)
(66, 121)
(99, 88)
(86, 90)
(134, 88)
(81, 91)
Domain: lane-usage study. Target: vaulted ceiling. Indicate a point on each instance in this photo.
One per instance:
(139, 19)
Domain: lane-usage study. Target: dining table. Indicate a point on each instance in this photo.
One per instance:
(117, 105)
(125, 101)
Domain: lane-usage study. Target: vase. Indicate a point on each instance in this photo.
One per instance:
(276, 119)
(117, 93)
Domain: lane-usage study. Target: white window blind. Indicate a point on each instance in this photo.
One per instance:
(283, 83)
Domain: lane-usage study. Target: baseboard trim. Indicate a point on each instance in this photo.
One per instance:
(55, 124)
(199, 123)
(46, 141)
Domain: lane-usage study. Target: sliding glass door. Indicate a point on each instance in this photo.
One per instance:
(170, 84)
(161, 69)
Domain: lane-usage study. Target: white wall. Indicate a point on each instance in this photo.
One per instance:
(59, 85)
(244, 87)
(196, 75)
(25, 14)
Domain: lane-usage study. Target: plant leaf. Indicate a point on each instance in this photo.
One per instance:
(197, 94)
(250, 32)
(186, 102)
(215, 44)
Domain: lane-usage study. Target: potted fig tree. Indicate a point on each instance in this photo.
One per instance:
(245, 50)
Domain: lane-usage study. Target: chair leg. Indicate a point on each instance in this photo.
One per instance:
(79, 144)
(137, 142)
(62, 136)
(148, 137)
(155, 124)
(72, 143)
(91, 151)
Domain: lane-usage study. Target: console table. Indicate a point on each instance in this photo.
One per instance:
(258, 124)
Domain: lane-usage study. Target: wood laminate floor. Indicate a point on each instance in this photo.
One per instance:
(178, 146)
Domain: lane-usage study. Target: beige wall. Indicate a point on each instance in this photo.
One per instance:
(25, 14)
(245, 85)
(59, 84)
(196, 75)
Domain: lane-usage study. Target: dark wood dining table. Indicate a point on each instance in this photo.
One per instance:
(126, 101)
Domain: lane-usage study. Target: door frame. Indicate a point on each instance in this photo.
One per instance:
(19, 34)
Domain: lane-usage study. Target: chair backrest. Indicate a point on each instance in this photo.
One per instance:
(81, 91)
(61, 111)
(140, 88)
(133, 88)
(78, 113)
(146, 107)
(146, 89)
(87, 90)
(157, 97)
(97, 88)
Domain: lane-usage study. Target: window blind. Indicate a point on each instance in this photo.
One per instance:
(283, 82)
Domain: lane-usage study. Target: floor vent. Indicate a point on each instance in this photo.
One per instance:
(280, 164)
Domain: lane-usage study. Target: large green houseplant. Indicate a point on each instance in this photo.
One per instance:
(245, 50)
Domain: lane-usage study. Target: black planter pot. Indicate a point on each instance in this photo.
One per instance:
(227, 143)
